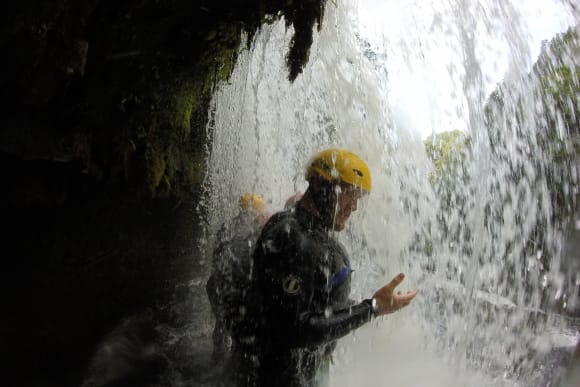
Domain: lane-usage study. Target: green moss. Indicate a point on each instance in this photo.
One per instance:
(172, 110)
(176, 113)
(155, 167)
(144, 97)
(183, 102)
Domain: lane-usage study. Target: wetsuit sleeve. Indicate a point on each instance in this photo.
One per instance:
(317, 328)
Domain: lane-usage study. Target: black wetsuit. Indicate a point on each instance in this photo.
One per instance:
(302, 306)
(230, 277)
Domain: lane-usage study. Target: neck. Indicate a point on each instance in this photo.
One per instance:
(310, 205)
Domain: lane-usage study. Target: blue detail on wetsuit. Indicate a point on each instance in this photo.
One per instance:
(340, 277)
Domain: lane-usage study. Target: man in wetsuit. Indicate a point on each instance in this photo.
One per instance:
(302, 278)
(232, 260)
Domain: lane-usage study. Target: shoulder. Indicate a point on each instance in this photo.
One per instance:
(282, 235)
(281, 224)
(288, 241)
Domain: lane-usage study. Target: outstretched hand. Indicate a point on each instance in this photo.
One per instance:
(388, 301)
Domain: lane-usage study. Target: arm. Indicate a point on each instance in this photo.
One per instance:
(317, 328)
(301, 326)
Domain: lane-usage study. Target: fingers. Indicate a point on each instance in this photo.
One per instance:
(395, 282)
(407, 297)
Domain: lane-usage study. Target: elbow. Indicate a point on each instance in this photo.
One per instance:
(315, 331)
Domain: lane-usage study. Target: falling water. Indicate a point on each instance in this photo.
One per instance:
(480, 318)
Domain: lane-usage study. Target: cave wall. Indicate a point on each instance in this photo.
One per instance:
(102, 148)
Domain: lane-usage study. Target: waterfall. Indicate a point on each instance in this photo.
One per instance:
(480, 318)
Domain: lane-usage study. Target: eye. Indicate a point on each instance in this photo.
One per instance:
(358, 172)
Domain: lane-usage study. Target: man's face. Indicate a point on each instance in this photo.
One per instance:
(347, 197)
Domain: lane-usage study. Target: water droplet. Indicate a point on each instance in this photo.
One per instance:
(327, 312)
(544, 282)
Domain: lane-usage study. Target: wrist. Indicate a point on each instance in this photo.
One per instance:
(374, 306)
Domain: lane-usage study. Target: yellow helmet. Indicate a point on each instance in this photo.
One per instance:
(342, 165)
(252, 200)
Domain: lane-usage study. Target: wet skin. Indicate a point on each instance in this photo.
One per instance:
(347, 198)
